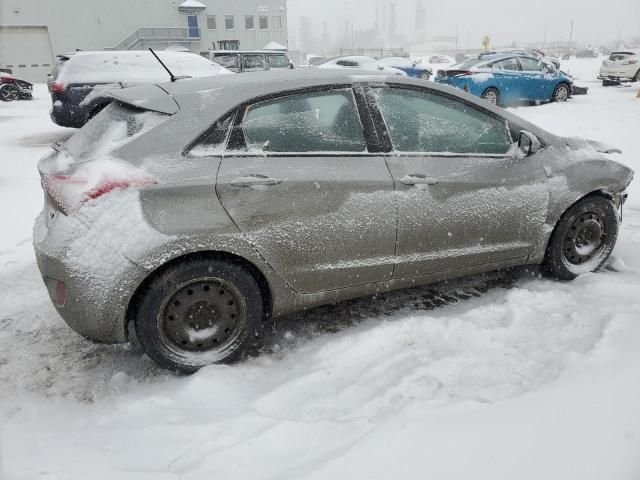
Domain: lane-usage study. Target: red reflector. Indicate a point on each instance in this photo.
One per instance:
(57, 87)
(60, 293)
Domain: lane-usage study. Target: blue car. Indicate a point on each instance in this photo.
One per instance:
(410, 67)
(504, 79)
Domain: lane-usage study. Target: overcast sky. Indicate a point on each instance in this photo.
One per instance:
(504, 21)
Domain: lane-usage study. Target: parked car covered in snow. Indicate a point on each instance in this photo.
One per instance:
(80, 80)
(507, 79)
(526, 52)
(622, 66)
(191, 212)
(356, 62)
(441, 59)
(12, 88)
(411, 67)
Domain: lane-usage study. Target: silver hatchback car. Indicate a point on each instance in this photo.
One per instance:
(193, 211)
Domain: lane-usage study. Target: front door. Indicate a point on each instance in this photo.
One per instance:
(507, 76)
(299, 183)
(192, 24)
(463, 199)
(536, 82)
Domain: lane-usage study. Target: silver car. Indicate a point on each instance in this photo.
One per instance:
(195, 211)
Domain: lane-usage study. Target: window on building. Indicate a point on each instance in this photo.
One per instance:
(229, 22)
(249, 22)
(211, 22)
(276, 22)
(264, 22)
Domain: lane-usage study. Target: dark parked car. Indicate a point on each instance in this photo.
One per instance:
(239, 61)
(12, 88)
(587, 53)
(80, 80)
(191, 212)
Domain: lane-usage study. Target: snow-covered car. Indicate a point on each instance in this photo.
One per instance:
(622, 66)
(191, 212)
(440, 59)
(505, 79)
(239, 61)
(411, 67)
(79, 82)
(356, 62)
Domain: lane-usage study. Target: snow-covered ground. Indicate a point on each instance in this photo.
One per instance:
(500, 376)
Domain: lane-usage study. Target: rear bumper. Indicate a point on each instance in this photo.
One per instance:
(94, 300)
(68, 115)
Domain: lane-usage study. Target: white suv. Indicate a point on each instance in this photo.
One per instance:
(623, 66)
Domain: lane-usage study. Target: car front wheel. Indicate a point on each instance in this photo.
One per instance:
(561, 93)
(583, 238)
(198, 312)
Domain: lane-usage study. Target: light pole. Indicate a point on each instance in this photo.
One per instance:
(570, 37)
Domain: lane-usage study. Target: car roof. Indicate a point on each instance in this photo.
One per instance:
(228, 52)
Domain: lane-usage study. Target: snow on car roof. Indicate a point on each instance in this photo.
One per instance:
(134, 66)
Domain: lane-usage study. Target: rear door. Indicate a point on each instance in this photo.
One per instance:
(463, 198)
(300, 183)
(507, 77)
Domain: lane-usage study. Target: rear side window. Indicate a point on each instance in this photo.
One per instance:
(418, 121)
(111, 129)
(232, 62)
(325, 121)
(510, 64)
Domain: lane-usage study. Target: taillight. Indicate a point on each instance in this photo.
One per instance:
(61, 294)
(56, 87)
(630, 62)
(69, 193)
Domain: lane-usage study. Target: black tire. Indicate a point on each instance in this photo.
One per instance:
(9, 92)
(636, 78)
(608, 83)
(492, 95)
(425, 76)
(181, 315)
(561, 93)
(583, 238)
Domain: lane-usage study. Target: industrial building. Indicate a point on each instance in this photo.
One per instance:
(33, 32)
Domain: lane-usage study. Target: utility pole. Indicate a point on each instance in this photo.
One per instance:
(570, 37)
(457, 32)
(544, 40)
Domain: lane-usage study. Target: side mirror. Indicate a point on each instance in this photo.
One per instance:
(528, 143)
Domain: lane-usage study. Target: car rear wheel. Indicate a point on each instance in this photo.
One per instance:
(9, 93)
(425, 76)
(198, 312)
(608, 83)
(636, 78)
(561, 93)
(583, 238)
(491, 95)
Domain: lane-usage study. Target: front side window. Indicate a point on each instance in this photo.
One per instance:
(254, 62)
(248, 22)
(315, 122)
(229, 22)
(418, 121)
(211, 22)
(278, 61)
(264, 22)
(531, 64)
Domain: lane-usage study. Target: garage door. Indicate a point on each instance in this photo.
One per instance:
(26, 51)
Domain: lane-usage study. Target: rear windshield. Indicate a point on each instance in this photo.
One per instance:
(621, 55)
(112, 128)
(134, 67)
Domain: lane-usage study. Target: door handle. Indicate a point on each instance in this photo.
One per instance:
(254, 179)
(418, 179)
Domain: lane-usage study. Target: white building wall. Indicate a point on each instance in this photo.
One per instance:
(99, 24)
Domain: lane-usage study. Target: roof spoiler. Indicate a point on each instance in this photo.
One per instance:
(148, 97)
